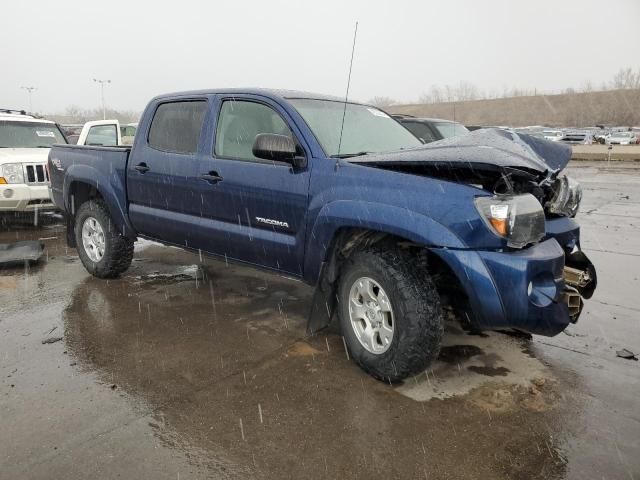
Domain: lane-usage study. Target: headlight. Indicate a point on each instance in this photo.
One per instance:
(567, 194)
(518, 218)
(12, 173)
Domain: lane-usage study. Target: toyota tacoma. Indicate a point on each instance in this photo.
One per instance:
(390, 232)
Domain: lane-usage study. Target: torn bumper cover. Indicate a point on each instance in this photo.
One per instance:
(523, 289)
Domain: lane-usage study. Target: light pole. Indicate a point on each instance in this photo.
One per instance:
(102, 83)
(30, 90)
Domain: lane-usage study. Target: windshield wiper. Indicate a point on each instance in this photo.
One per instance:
(349, 155)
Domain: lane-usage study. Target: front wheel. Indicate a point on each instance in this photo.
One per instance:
(390, 314)
(103, 251)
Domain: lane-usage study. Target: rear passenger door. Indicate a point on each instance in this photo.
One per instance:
(256, 208)
(162, 174)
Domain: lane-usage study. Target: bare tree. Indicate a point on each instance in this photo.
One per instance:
(466, 91)
(626, 78)
(435, 95)
(587, 86)
(382, 101)
(74, 114)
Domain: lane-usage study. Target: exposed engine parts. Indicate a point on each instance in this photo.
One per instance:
(576, 278)
(574, 303)
(566, 198)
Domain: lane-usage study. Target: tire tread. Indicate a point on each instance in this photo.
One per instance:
(423, 325)
(119, 254)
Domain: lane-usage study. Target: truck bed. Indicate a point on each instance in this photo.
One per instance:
(92, 163)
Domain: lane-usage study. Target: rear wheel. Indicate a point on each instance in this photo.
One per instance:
(390, 314)
(103, 251)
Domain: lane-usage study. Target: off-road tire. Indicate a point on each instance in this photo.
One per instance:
(419, 324)
(118, 252)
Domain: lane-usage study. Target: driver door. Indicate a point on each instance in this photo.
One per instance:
(253, 209)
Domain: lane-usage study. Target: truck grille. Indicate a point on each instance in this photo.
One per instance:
(35, 173)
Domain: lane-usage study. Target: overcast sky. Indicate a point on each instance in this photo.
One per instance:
(403, 47)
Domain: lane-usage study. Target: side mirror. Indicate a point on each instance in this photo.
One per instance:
(279, 148)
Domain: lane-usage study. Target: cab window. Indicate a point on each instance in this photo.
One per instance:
(176, 126)
(240, 122)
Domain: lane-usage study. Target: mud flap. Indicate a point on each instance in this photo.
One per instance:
(71, 235)
(20, 252)
(323, 303)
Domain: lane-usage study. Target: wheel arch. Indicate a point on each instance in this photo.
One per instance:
(387, 220)
(83, 183)
(349, 239)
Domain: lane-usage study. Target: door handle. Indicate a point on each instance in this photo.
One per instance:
(142, 167)
(211, 177)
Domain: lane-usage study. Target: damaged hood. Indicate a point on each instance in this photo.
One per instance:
(493, 149)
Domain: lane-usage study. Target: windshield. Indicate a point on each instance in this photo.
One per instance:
(621, 134)
(29, 135)
(366, 129)
(450, 129)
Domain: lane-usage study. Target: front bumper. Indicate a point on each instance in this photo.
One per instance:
(522, 289)
(24, 198)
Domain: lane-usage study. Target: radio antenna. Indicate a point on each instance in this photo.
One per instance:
(346, 95)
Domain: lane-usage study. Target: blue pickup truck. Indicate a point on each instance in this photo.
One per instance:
(390, 232)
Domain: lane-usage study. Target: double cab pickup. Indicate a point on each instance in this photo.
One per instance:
(339, 194)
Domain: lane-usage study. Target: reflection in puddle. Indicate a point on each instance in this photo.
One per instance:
(235, 384)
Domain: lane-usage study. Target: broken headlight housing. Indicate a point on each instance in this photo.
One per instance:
(11, 173)
(518, 218)
(567, 194)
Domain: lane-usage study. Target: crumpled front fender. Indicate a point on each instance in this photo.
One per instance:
(372, 216)
(513, 289)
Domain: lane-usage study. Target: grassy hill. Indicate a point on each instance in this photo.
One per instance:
(613, 107)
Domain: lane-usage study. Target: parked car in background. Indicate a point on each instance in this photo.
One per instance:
(25, 141)
(102, 133)
(128, 132)
(72, 132)
(600, 136)
(534, 130)
(98, 132)
(553, 135)
(623, 138)
(578, 137)
(472, 128)
(431, 129)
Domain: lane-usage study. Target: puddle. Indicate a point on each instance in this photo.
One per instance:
(182, 274)
(467, 362)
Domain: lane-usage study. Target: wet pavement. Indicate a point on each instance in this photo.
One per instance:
(188, 367)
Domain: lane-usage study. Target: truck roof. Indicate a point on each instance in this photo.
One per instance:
(277, 93)
(20, 116)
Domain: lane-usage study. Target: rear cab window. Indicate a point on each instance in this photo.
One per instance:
(176, 126)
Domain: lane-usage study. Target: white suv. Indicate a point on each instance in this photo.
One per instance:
(25, 141)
